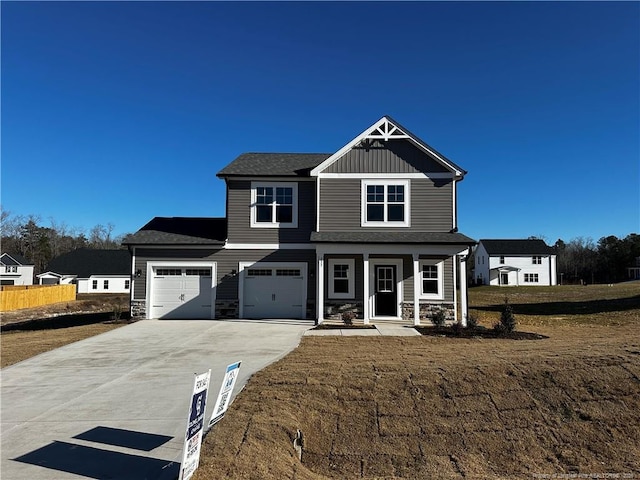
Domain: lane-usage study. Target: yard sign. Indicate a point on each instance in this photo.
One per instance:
(224, 397)
(195, 427)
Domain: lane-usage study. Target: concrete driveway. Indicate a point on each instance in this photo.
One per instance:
(116, 405)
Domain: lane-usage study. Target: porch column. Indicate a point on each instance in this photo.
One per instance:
(416, 289)
(365, 303)
(464, 307)
(320, 288)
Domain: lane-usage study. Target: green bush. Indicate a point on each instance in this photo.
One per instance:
(472, 321)
(439, 317)
(507, 322)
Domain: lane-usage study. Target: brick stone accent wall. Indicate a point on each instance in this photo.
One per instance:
(333, 309)
(227, 309)
(427, 311)
(138, 309)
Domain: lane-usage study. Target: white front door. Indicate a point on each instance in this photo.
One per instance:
(274, 291)
(181, 292)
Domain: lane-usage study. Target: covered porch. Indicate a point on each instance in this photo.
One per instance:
(399, 281)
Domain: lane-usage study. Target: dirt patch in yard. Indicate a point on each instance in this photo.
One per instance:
(430, 407)
(84, 303)
(31, 331)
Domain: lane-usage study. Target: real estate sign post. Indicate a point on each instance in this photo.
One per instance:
(224, 397)
(195, 426)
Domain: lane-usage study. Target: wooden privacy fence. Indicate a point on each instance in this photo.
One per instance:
(28, 296)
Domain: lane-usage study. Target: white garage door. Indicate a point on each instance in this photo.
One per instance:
(274, 292)
(181, 292)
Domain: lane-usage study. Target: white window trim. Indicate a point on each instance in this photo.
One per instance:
(440, 294)
(274, 224)
(363, 204)
(350, 277)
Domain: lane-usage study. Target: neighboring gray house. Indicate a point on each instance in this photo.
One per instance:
(15, 270)
(513, 262)
(92, 270)
(371, 228)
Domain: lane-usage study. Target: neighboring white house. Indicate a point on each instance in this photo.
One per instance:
(514, 262)
(93, 271)
(15, 270)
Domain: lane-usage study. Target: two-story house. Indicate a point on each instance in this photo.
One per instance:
(371, 229)
(15, 270)
(508, 262)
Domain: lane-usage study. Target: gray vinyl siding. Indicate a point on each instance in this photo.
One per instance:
(408, 286)
(144, 255)
(239, 216)
(226, 262)
(431, 205)
(394, 156)
(407, 276)
(358, 281)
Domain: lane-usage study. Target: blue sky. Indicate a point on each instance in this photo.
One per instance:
(116, 112)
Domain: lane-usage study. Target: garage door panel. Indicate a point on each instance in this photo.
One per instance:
(273, 292)
(182, 292)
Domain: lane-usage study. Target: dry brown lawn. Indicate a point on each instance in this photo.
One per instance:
(429, 407)
(16, 346)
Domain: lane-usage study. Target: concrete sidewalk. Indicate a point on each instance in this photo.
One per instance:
(380, 329)
(116, 405)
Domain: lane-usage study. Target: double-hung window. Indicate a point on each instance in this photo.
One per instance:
(274, 205)
(385, 203)
(431, 280)
(341, 278)
(537, 260)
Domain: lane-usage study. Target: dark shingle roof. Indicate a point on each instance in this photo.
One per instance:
(392, 237)
(516, 247)
(274, 164)
(85, 262)
(14, 259)
(181, 231)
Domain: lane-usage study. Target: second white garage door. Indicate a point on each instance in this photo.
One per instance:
(274, 291)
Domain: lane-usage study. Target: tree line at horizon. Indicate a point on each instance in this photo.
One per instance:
(579, 260)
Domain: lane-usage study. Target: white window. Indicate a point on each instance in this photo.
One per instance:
(127, 284)
(537, 260)
(341, 277)
(274, 205)
(385, 203)
(431, 279)
(11, 269)
(530, 278)
(94, 285)
(501, 259)
(106, 284)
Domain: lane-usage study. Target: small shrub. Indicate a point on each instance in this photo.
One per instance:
(117, 312)
(457, 328)
(507, 322)
(347, 317)
(439, 317)
(472, 321)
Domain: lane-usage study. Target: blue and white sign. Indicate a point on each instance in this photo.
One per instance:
(224, 397)
(195, 426)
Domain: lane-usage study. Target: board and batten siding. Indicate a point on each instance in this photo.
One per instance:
(226, 266)
(393, 156)
(239, 216)
(431, 205)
